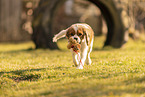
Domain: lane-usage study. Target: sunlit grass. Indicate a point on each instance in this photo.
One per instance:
(15, 47)
(114, 72)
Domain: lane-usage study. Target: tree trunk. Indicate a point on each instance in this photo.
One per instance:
(116, 29)
(43, 22)
(10, 20)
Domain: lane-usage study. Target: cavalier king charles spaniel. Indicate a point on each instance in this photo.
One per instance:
(84, 35)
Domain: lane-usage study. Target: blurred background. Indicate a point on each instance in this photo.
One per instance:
(26, 20)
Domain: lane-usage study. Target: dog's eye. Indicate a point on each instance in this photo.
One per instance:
(80, 34)
(72, 34)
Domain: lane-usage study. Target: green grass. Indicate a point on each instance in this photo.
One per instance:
(38, 73)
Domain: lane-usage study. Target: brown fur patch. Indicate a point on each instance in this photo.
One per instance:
(70, 32)
(80, 33)
(87, 32)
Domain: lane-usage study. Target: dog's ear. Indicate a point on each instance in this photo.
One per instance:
(61, 34)
(86, 36)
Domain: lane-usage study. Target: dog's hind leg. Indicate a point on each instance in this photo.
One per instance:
(88, 59)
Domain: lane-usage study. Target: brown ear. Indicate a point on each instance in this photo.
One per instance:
(86, 36)
(67, 35)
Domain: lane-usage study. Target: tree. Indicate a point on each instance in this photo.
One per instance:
(116, 31)
(10, 20)
(42, 24)
(44, 17)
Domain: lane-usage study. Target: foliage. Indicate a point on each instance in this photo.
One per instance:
(114, 72)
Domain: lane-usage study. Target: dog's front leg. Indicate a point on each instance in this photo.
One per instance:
(83, 58)
(75, 58)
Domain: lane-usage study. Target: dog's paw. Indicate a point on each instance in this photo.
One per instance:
(54, 39)
(80, 67)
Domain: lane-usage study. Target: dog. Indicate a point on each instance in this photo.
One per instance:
(84, 35)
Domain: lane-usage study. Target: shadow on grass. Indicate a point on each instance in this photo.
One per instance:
(107, 48)
(104, 91)
(31, 50)
(99, 90)
(19, 75)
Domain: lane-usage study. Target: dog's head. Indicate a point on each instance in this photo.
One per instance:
(77, 33)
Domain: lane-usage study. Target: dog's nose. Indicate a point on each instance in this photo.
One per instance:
(76, 38)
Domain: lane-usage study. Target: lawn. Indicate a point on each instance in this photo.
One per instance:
(25, 72)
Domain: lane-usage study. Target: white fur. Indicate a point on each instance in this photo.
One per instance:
(75, 28)
(86, 26)
(85, 54)
(85, 50)
(59, 35)
(76, 36)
